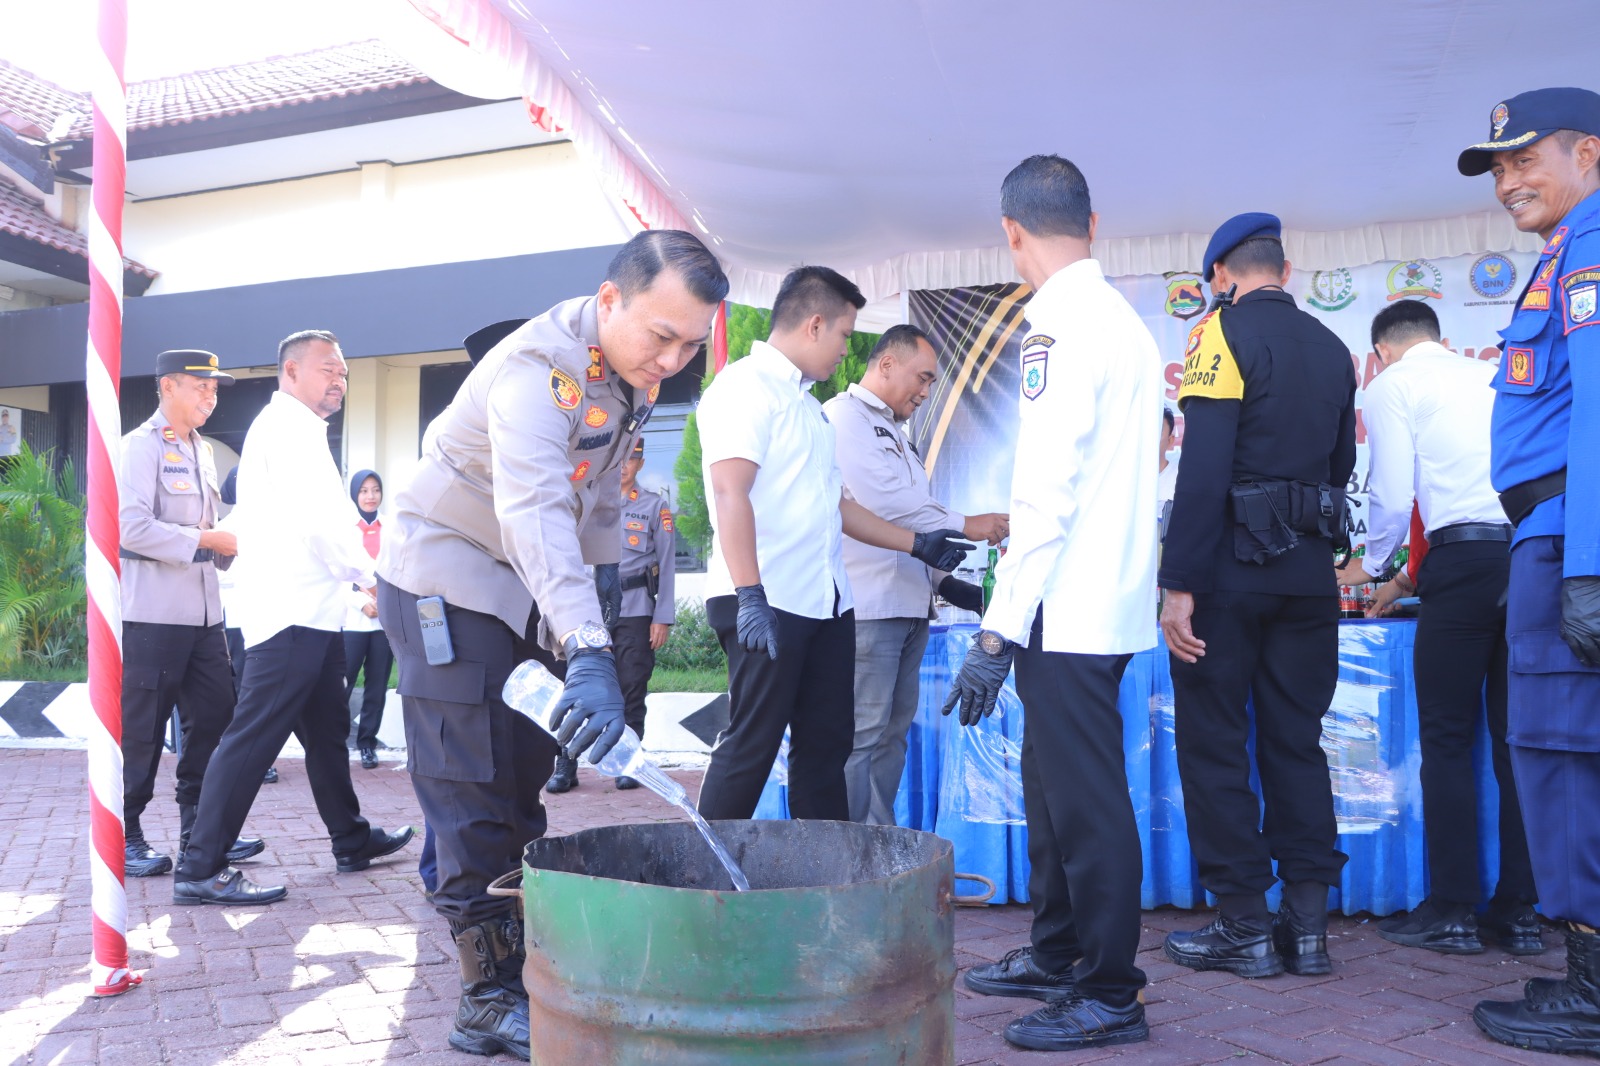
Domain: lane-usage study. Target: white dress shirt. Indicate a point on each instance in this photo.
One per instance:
(761, 409)
(296, 525)
(882, 473)
(1427, 419)
(1083, 490)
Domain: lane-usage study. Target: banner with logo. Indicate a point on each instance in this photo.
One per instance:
(966, 432)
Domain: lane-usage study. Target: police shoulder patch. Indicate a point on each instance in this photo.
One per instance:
(666, 520)
(1036, 365)
(1210, 370)
(564, 389)
(1580, 298)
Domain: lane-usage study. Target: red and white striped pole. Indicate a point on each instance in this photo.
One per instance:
(109, 898)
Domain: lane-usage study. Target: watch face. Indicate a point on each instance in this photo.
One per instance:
(593, 635)
(990, 642)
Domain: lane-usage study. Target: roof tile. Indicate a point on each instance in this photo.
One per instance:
(24, 216)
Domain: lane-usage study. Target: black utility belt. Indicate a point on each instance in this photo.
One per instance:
(201, 555)
(1520, 500)
(1270, 516)
(637, 581)
(1465, 531)
(649, 580)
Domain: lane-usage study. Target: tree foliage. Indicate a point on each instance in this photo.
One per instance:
(746, 325)
(42, 593)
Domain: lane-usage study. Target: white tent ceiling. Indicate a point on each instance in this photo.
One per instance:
(872, 135)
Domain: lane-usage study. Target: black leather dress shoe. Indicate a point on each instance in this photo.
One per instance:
(246, 848)
(1516, 928)
(141, 860)
(369, 759)
(624, 782)
(1448, 928)
(271, 776)
(230, 888)
(1016, 975)
(379, 844)
(1226, 945)
(1304, 950)
(1079, 1022)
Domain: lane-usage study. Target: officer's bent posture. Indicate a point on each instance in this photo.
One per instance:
(517, 490)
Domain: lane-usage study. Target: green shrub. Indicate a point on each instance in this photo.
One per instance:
(693, 644)
(42, 594)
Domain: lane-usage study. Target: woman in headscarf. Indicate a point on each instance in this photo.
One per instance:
(364, 641)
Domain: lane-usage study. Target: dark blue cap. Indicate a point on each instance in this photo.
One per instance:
(191, 361)
(1236, 231)
(1526, 118)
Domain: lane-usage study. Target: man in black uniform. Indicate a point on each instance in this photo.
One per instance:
(518, 488)
(1252, 613)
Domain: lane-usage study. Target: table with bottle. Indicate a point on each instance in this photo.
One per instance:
(965, 783)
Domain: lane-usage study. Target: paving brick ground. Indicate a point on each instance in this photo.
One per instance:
(356, 968)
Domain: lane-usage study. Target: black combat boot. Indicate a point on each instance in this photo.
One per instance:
(1300, 931)
(140, 859)
(1563, 1016)
(565, 778)
(490, 1017)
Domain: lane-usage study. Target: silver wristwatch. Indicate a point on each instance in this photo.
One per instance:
(589, 636)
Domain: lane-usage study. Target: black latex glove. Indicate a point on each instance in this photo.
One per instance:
(588, 717)
(977, 686)
(942, 549)
(1580, 618)
(962, 594)
(757, 626)
(608, 584)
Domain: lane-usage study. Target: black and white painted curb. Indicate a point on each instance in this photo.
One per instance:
(680, 727)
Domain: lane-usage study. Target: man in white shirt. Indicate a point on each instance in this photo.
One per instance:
(893, 592)
(1072, 604)
(1427, 416)
(298, 526)
(776, 589)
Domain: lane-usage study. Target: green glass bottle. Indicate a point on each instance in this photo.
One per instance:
(988, 578)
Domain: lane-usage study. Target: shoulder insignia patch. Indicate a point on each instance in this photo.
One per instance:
(580, 472)
(1556, 240)
(1519, 366)
(881, 432)
(655, 390)
(595, 417)
(596, 370)
(666, 520)
(633, 494)
(1035, 365)
(1209, 367)
(564, 390)
(1579, 291)
(168, 433)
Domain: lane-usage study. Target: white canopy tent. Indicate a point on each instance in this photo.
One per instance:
(872, 136)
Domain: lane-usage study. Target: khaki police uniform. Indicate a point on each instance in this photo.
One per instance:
(518, 490)
(173, 647)
(648, 547)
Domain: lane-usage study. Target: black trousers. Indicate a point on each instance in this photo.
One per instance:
(162, 666)
(293, 684)
(809, 690)
(476, 765)
(630, 638)
(1083, 842)
(1280, 653)
(369, 648)
(1459, 664)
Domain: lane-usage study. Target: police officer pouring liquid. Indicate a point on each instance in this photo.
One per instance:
(517, 491)
(1252, 611)
(173, 647)
(1543, 151)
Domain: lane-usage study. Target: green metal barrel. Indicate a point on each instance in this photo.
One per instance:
(640, 951)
